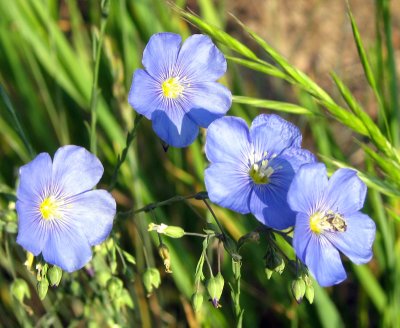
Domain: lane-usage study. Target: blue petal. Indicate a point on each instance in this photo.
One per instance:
(301, 236)
(268, 202)
(209, 101)
(32, 229)
(227, 140)
(297, 157)
(323, 261)
(272, 134)
(67, 246)
(269, 206)
(228, 186)
(200, 60)
(174, 127)
(75, 170)
(356, 242)
(95, 210)
(145, 94)
(307, 191)
(160, 55)
(35, 178)
(346, 192)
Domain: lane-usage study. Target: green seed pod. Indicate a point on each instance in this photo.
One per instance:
(20, 289)
(197, 301)
(170, 231)
(151, 279)
(114, 287)
(215, 285)
(174, 232)
(42, 288)
(298, 289)
(54, 274)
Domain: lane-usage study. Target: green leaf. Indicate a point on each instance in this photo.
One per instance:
(272, 104)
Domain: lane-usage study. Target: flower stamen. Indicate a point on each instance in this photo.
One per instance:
(327, 221)
(172, 88)
(49, 208)
(260, 172)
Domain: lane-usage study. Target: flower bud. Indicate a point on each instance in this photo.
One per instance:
(114, 287)
(54, 274)
(309, 293)
(298, 289)
(197, 301)
(42, 288)
(20, 289)
(151, 280)
(215, 285)
(273, 263)
(170, 231)
(164, 254)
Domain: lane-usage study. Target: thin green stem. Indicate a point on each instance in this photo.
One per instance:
(95, 90)
(391, 72)
(129, 139)
(208, 264)
(202, 235)
(17, 124)
(214, 216)
(200, 196)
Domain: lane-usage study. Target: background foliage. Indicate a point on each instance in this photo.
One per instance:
(48, 83)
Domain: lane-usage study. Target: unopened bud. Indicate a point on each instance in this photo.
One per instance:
(170, 231)
(164, 254)
(20, 290)
(298, 289)
(114, 287)
(197, 301)
(215, 285)
(42, 288)
(274, 262)
(310, 294)
(54, 274)
(151, 279)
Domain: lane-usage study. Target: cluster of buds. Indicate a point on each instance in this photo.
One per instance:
(47, 277)
(151, 280)
(302, 286)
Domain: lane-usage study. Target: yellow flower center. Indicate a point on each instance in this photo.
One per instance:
(260, 172)
(327, 221)
(172, 88)
(49, 208)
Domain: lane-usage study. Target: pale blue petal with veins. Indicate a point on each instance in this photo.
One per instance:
(59, 215)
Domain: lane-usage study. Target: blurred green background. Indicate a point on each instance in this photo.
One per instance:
(47, 61)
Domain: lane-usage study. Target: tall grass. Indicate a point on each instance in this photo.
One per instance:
(61, 66)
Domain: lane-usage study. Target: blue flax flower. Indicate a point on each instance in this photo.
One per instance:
(59, 215)
(251, 170)
(177, 89)
(329, 219)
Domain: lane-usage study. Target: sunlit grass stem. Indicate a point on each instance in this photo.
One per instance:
(95, 91)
